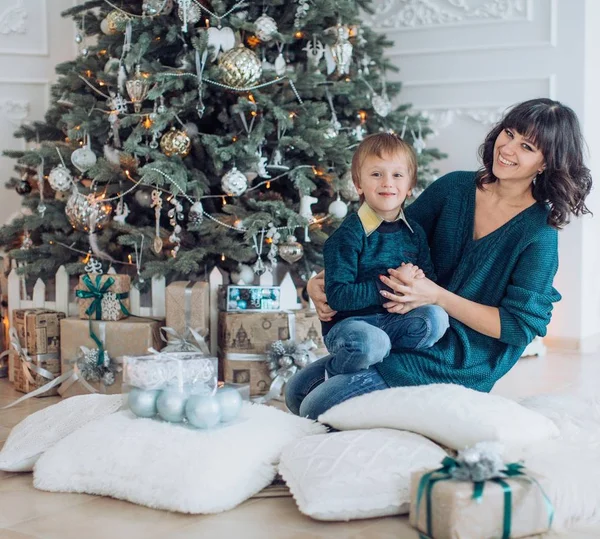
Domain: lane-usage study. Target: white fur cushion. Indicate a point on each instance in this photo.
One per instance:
(356, 474)
(173, 467)
(41, 430)
(449, 414)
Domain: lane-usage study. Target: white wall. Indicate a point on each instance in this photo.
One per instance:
(465, 61)
(33, 39)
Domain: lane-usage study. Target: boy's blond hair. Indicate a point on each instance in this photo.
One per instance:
(381, 144)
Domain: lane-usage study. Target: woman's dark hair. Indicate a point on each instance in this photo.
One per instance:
(554, 129)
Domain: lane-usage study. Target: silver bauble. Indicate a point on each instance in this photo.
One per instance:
(196, 212)
(60, 178)
(381, 105)
(157, 7)
(83, 158)
(203, 411)
(347, 187)
(230, 403)
(171, 405)
(192, 15)
(266, 27)
(142, 402)
(338, 209)
(234, 182)
(290, 250)
(87, 213)
(240, 67)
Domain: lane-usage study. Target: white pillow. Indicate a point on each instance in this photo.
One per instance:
(41, 430)
(356, 474)
(173, 467)
(452, 415)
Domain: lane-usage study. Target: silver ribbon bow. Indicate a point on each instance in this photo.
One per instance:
(192, 340)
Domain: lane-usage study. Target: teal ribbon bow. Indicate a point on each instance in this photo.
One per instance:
(96, 291)
(514, 469)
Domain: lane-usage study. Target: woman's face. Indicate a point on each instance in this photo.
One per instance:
(516, 157)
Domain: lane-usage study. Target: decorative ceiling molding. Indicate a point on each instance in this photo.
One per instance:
(15, 111)
(427, 13)
(12, 19)
(439, 119)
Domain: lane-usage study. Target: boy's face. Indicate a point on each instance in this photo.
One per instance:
(385, 182)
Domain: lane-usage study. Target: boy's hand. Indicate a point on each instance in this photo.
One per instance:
(409, 271)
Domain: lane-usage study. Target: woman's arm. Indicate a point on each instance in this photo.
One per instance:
(481, 318)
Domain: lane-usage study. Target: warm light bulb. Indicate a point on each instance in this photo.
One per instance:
(222, 258)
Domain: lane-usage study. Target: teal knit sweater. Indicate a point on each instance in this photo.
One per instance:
(512, 268)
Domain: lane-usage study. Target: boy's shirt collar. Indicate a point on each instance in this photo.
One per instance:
(371, 221)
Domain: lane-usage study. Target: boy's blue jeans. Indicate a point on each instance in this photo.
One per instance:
(358, 345)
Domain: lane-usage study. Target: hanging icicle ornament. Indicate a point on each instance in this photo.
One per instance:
(84, 158)
(273, 237)
(259, 266)
(290, 250)
(334, 125)
(234, 183)
(418, 141)
(306, 201)
(137, 89)
(339, 55)
(87, 212)
(338, 208)
(157, 205)
(266, 27)
(196, 213)
(175, 142)
(40, 178)
(175, 215)
(240, 67)
(152, 8)
(188, 12)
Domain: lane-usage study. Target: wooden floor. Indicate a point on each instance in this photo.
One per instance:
(29, 513)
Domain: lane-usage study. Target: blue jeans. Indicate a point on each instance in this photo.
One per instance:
(359, 342)
(308, 394)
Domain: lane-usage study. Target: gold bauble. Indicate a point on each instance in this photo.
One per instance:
(114, 20)
(175, 142)
(240, 67)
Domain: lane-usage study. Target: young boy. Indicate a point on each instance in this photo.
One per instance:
(367, 243)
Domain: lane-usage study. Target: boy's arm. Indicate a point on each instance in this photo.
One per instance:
(341, 254)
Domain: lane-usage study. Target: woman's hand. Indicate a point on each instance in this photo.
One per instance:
(316, 290)
(408, 294)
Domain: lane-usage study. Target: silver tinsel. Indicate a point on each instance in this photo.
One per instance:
(481, 462)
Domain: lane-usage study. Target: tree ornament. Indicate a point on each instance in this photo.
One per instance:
(381, 105)
(84, 158)
(266, 27)
(338, 208)
(60, 178)
(314, 52)
(27, 242)
(142, 402)
(170, 405)
(418, 141)
(219, 39)
(347, 187)
(175, 142)
(340, 53)
(189, 12)
(93, 265)
(301, 12)
(115, 19)
(230, 403)
(244, 275)
(87, 213)
(23, 187)
(143, 198)
(240, 67)
(291, 250)
(121, 211)
(112, 66)
(196, 213)
(137, 89)
(157, 203)
(234, 183)
(203, 411)
(152, 8)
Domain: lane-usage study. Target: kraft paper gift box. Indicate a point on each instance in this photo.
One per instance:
(130, 337)
(456, 515)
(187, 306)
(243, 342)
(103, 296)
(308, 327)
(38, 334)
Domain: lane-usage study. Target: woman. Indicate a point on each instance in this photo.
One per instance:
(493, 239)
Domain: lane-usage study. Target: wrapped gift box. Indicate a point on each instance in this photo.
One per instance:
(130, 337)
(113, 296)
(243, 341)
(308, 327)
(187, 305)
(38, 331)
(455, 514)
(239, 298)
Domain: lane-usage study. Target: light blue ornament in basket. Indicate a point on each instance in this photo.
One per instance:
(143, 402)
(230, 402)
(203, 411)
(171, 405)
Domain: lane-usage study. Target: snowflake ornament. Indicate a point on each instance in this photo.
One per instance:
(111, 307)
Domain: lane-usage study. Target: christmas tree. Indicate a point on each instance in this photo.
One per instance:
(202, 133)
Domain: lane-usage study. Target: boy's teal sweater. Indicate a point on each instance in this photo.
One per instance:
(512, 268)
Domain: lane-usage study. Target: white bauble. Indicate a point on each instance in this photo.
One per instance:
(60, 178)
(234, 182)
(243, 276)
(338, 209)
(143, 198)
(265, 27)
(347, 188)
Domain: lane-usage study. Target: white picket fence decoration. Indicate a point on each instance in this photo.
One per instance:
(289, 297)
